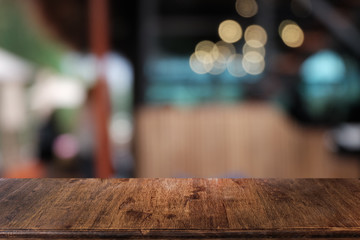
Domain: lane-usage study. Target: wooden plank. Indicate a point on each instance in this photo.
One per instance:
(179, 208)
(195, 238)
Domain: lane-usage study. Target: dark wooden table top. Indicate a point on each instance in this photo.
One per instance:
(179, 208)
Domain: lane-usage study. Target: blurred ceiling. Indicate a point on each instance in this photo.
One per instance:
(179, 24)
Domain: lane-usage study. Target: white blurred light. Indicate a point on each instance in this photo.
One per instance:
(248, 48)
(119, 73)
(205, 46)
(348, 136)
(223, 51)
(253, 63)
(255, 36)
(235, 67)
(230, 31)
(13, 68)
(283, 24)
(120, 129)
(218, 68)
(205, 50)
(203, 66)
(56, 91)
(118, 70)
(291, 34)
(12, 106)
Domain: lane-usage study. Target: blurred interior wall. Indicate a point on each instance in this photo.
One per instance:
(246, 140)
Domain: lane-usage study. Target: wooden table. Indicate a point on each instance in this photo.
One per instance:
(179, 208)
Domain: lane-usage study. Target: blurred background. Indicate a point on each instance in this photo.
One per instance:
(180, 88)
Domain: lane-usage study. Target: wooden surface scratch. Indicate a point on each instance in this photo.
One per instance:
(179, 208)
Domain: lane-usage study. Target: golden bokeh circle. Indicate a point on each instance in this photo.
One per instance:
(255, 36)
(246, 8)
(292, 35)
(230, 31)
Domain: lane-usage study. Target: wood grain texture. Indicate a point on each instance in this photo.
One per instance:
(179, 208)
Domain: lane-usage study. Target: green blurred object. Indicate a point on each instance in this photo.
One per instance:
(22, 37)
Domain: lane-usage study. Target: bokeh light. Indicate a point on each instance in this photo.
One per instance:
(201, 66)
(210, 57)
(230, 31)
(223, 51)
(324, 67)
(283, 24)
(203, 51)
(248, 48)
(291, 34)
(206, 46)
(253, 63)
(218, 68)
(66, 146)
(120, 129)
(235, 66)
(255, 36)
(246, 8)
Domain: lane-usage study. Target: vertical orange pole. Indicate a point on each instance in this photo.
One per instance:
(99, 41)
